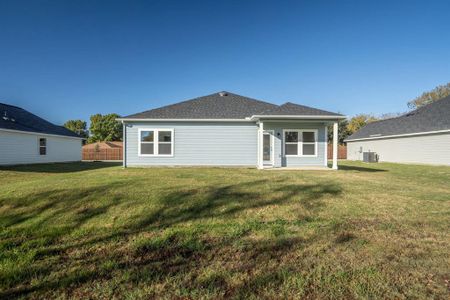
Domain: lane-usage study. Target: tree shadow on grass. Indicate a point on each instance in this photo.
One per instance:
(37, 223)
(361, 169)
(72, 167)
(147, 265)
(46, 207)
(193, 204)
(174, 256)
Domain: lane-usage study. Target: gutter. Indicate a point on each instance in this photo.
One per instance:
(296, 117)
(181, 120)
(398, 135)
(248, 119)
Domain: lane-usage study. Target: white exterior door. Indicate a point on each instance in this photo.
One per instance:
(267, 146)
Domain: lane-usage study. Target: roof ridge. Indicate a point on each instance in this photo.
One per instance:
(289, 102)
(258, 100)
(387, 119)
(199, 97)
(177, 103)
(25, 120)
(10, 105)
(308, 107)
(410, 112)
(430, 117)
(393, 118)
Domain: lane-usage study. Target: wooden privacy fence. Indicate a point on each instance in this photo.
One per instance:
(102, 154)
(342, 151)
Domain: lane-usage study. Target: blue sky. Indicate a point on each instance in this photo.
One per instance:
(70, 59)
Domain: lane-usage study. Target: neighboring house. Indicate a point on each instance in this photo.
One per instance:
(103, 151)
(225, 129)
(420, 136)
(27, 139)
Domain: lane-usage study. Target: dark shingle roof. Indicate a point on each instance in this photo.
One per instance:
(228, 106)
(16, 118)
(290, 108)
(431, 117)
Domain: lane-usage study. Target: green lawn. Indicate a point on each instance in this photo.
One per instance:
(93, 230)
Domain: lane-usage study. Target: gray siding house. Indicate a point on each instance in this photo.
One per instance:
(27, 139)
(225, 129)
(420, 136)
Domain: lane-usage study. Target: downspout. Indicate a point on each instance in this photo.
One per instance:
(326, 146)
(124, 152)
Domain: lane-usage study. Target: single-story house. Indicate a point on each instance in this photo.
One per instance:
(28, 139)
(225, 129)
(420, 136)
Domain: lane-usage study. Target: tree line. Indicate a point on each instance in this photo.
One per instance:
(102, 128)
(107, 128)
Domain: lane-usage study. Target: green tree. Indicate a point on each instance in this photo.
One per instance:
(343, 132)
(105, 128)
(437, 93)
(359, 121)
(77, 126)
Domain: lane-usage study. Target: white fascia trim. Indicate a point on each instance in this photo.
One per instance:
(250, 119)
(309, 117)
(398, 135)
(41, 134)
(183, 120)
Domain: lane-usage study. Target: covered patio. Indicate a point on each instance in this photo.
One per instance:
(296, 142)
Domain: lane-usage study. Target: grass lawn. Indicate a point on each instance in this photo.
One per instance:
(95, 230)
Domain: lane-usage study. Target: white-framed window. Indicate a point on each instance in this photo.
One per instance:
(42, 146)
(300, 142)
(156, 142)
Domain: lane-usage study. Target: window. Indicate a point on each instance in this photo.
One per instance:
(300, 142)
(164, 142)
(291, 142)
(42, 146)
(156, 142)
(308, 143)
(147, 142)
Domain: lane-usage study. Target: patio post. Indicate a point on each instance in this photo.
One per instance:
(335, 145)
(260, 145)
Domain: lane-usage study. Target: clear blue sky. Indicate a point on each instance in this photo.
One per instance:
(70, 59)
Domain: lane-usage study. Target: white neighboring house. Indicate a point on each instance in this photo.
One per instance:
(28, 139)
(420, 136)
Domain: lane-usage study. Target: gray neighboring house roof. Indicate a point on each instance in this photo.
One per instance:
(16, 118)
(432, 117)
(225, 105)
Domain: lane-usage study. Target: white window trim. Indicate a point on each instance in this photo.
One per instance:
(39, 146)
(300, 142)
(156, 142)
